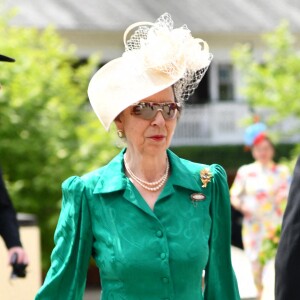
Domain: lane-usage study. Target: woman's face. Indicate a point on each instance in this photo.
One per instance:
(148, 136)
(263, 152)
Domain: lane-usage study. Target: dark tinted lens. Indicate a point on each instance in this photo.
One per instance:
(148, 110)
(145, 110)
(169, 110)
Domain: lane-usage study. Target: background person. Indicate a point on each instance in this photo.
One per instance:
(259, 192)
(152, 221)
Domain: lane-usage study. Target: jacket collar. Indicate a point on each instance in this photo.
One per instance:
(181, 175)
(113, 177)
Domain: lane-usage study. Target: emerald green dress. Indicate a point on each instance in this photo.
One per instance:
(144, 254)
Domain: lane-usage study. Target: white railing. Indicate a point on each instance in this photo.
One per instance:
(220, 124)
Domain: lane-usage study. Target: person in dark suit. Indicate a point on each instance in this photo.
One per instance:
(9, 229)
(287, 263)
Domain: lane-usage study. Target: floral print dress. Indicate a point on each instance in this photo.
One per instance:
(262, 191)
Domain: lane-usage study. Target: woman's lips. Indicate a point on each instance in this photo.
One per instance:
(157, 137)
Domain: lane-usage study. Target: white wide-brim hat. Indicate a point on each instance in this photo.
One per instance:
(155, 58)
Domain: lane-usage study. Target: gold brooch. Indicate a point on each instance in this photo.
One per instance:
(205, 176)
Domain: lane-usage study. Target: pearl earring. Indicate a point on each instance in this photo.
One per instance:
(120, 133)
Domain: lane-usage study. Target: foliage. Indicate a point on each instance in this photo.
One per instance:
(48, 131)
(270, 245)
(273, 81)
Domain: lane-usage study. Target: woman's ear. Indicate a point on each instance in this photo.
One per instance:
(118, 121)
(120, 126)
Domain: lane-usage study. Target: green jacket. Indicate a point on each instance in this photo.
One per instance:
(144, 254)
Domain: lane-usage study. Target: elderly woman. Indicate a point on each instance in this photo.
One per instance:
(153, 222)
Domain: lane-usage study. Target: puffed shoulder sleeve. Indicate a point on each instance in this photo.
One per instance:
(220, 280)
(66, 277)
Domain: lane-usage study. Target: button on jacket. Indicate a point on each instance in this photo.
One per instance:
(144, 254)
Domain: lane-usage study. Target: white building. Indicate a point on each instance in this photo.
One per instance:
(98, 26)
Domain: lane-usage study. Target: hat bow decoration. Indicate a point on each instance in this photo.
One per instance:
(175, 52)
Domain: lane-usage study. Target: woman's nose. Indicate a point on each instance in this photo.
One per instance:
(158, 120)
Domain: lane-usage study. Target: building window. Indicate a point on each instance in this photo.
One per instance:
(225, 74)
(201, 94)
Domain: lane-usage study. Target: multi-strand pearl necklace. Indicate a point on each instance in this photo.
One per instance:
(150, 186)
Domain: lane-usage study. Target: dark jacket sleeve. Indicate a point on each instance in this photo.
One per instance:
(9, 229)
(287, 264)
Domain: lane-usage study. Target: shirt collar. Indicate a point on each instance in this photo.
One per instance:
(113, 177)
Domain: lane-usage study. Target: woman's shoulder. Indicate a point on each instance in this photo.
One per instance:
(282, 167)
(192, 166)
(215, 169)
(248, 168)
(80, 182)
(100, 179)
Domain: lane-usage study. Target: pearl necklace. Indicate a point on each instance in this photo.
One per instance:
(150, 186)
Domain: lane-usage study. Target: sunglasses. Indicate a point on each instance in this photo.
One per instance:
(148, 110)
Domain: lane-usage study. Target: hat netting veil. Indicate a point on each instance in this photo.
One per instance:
(173, 51)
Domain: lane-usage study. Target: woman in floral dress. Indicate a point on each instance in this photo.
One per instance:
(259, 192)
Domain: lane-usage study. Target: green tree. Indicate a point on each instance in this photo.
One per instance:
(273, 81)
(47, 130)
